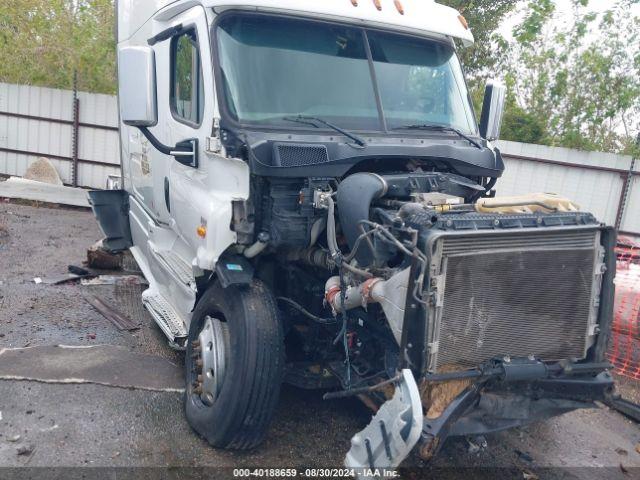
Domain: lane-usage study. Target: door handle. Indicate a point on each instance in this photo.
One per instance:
(167, 199)
(186, 152)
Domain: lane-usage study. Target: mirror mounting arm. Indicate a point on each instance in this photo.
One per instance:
(161, 147)
(185, 152)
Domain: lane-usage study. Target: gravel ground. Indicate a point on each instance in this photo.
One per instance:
(99, 426)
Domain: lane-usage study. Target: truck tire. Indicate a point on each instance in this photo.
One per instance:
(234, 365)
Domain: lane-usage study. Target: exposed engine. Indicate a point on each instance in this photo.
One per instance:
(424, 270)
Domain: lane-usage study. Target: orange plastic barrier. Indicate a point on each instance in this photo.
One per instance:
(624, 346)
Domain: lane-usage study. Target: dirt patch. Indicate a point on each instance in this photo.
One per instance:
(628, 388)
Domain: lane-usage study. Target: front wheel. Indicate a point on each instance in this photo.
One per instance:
(234, 365)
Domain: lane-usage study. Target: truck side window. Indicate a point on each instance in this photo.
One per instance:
(187, 91)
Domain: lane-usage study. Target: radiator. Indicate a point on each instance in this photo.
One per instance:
(513, 294)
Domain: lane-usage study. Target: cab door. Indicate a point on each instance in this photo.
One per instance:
(197, 194)
(186, 98)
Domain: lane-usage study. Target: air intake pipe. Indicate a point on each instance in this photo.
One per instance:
(355, 194)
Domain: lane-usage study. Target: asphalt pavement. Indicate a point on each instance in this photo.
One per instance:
(84, 428)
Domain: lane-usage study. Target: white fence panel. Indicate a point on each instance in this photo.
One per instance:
(24, 138)
(594, 180)
(99, 144)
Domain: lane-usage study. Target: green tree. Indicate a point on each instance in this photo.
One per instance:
(484, 17)
(575, 85)
(42, 42)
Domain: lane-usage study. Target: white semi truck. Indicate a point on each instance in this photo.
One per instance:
(310, 197)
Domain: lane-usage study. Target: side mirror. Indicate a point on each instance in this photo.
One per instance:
(137, 86)
(492, 109)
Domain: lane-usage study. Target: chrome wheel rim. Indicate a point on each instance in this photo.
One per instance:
(211, 359)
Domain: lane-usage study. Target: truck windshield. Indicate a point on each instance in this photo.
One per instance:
(274, 67)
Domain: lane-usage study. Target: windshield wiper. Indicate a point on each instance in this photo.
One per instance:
(309, 121)
(440, 128)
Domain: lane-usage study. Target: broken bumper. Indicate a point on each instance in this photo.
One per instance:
(393, 431)
(488, 405)
(491, 407)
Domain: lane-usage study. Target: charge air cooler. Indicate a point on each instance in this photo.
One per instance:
(511, 286)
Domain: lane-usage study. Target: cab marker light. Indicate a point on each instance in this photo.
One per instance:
(354, 3)
(377, 4)
(464, 22)
(399, 6)
(201, 231)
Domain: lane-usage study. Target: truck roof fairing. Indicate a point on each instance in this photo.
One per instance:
(419, 16)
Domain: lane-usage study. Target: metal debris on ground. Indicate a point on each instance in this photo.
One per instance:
(98, 257)
(102, 259)
(14, 438)
(119, 320)
(25, 449)
(75, 273)
(127, 297)
(53, 427)
(79, 271)
(476, 444)
(524, 456)
(58, 280)
(115, 279)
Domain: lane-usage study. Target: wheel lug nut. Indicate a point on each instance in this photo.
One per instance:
(200, 378)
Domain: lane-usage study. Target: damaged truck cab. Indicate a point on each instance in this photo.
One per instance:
(312, 201)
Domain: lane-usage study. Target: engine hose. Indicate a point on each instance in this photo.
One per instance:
(353, 252)
(355, 194)
(357, 391)
(331, 230)
(336, 256)
(332, 242)
(307, 313)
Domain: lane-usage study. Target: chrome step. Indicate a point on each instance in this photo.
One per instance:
(172, 262)
(165, 316)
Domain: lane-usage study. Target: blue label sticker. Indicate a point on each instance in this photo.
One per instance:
(234, 266)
